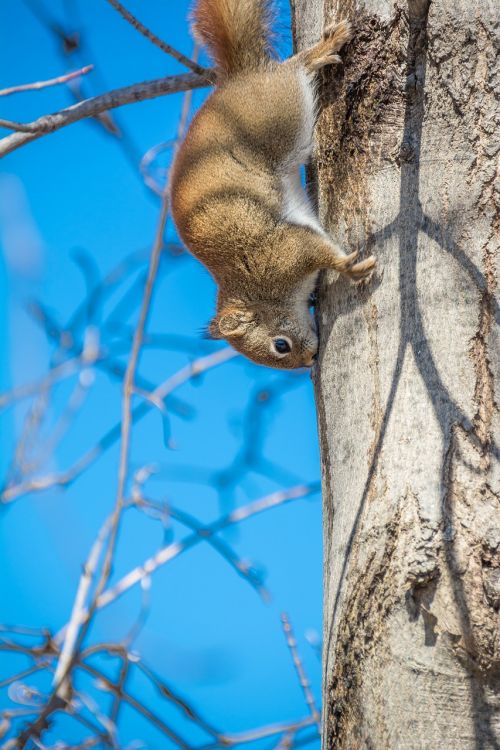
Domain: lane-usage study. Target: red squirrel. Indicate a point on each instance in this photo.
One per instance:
(236, 192)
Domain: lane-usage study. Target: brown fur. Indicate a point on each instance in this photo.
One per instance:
(225, 28)
(232, 179)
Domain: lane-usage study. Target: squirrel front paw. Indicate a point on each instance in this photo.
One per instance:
(338, 34)
(325, 52)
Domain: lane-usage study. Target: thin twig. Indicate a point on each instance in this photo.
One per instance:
(305, 684)
(110, 730)
(122, 681)
(37, 85)
(133, 21)
(171, 551)
(167, 693)
(25, 673)
(137, 92)
(146, 161)
(76, 638)
(153, 152)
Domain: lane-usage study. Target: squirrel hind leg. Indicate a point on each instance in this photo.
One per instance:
(331, 256)
(325, 52)
(362, 271)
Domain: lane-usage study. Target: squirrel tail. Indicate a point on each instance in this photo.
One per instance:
(237, 33)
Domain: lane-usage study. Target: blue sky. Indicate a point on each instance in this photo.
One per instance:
(78, 194)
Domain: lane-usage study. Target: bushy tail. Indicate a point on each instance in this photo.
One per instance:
(237, 33)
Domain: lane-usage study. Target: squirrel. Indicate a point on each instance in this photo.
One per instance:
(236, 193)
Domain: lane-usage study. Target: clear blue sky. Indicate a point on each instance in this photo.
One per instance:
(207, 631)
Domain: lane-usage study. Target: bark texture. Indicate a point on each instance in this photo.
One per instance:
(407, 167)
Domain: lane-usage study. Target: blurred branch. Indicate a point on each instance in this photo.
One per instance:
(71, 647)
(37, 85)
(137, 92)
(271, 730)
(89, 571)
(62, 371)
(203, 533)
(221, 740)
(133, 21)
(65, 478)
(153, 152)
(72, 41)
(241, 567)
(146, 162)
(73, 643)
(137, 705)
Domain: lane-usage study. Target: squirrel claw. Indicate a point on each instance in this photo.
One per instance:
(363, 270)
(348, 260)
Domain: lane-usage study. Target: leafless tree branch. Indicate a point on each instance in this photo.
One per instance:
(142, 29)
(137, 92)
(299, 668)
(37, 85)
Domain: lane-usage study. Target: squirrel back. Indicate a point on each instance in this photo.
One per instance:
(237, 33)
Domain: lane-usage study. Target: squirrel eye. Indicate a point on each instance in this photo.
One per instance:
(282, 346)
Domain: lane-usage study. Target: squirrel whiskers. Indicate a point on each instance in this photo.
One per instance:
(237, 198)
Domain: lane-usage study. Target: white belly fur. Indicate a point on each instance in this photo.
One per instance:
(296, 206)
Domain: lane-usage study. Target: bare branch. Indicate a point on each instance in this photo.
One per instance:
(37, 85)
(137, 92)
(133, 21)
(299, 668)
(152, 153)
(61, 658)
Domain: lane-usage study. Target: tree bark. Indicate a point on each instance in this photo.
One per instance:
(407, 168)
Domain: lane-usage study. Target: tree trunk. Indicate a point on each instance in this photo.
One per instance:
(405, 384)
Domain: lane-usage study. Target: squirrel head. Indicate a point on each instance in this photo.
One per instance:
(268, 333)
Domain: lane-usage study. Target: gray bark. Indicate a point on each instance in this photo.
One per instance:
(407, 168)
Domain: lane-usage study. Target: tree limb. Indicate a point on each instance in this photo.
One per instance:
(137, 92)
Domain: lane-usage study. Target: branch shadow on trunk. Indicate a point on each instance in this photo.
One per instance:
(409, 223)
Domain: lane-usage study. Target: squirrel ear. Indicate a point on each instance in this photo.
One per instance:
(230, 322)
